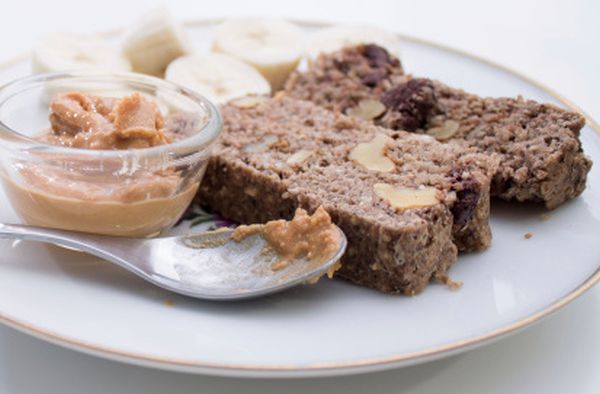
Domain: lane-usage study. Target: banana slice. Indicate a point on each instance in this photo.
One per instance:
(336, 37)
(154, 41)
(217, 77)
(273, 46)
(68, 51)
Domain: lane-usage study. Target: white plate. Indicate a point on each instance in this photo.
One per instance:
(332, 328)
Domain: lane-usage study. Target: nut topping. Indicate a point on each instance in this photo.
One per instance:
(445, 131)
(401, 198)
(248, 101)
(262, 145)
(371, 154)
(299, 157)
(367, 109)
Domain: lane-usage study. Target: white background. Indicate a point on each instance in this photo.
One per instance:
(554, 42)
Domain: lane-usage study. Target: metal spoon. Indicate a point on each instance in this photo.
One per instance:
(205, 265)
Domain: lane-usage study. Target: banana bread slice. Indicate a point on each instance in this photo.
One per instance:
(541, 159)
(278, 154)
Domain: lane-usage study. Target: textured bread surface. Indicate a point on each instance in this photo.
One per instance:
(537, 145)
(254, 176)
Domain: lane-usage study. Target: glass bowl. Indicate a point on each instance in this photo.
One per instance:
(132, 192)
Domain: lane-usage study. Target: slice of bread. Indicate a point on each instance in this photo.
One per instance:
(403, 200)
(538, 145)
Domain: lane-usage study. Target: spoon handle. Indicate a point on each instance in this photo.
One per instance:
(98, 245)
(40, 234)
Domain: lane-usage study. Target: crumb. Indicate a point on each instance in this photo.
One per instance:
(451, 284)
(528, 235)
(545, 216)
(169, 302)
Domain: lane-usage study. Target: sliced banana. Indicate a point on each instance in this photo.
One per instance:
(154, 41)
(69, 51)
(273, 46)
(331, 39)
(218, 77)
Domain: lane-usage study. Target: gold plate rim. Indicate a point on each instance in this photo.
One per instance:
(330, 368)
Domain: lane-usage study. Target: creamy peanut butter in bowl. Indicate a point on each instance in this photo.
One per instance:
(118, 154)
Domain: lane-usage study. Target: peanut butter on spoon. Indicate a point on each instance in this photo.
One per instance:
(312, 236)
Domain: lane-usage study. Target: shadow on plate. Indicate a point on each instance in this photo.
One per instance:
(514, 211)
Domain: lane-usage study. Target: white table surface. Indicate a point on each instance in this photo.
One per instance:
(556, 44)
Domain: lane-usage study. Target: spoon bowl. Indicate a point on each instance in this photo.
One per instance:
(208, 265)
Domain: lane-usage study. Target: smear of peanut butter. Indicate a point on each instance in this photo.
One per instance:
(74, 113)
(312, 236)
(91, 122)
(138, 121)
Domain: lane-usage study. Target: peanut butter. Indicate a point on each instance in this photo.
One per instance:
(70, 196)
(312, 236)
(93, 122)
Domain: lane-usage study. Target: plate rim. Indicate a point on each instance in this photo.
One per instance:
(325, 368)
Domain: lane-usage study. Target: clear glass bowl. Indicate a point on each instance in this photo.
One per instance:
(133, 192)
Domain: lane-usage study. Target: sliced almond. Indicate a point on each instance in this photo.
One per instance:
(371, 154)
(445, 131)
(403, 198)
(299, 157)
(248, 101)
(262, 145)
(367, 109)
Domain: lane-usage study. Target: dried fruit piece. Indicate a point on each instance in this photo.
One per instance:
(377, 55)
(299, 157)
(409, 105)
(367, 109)
(466, 203)
(403, 198)
(444, 131)
(248, 101)
(371, 154)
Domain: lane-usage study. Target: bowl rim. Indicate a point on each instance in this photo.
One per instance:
(202, 138)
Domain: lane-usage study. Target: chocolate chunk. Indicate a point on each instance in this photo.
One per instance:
(466, 202)
(410, 104)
